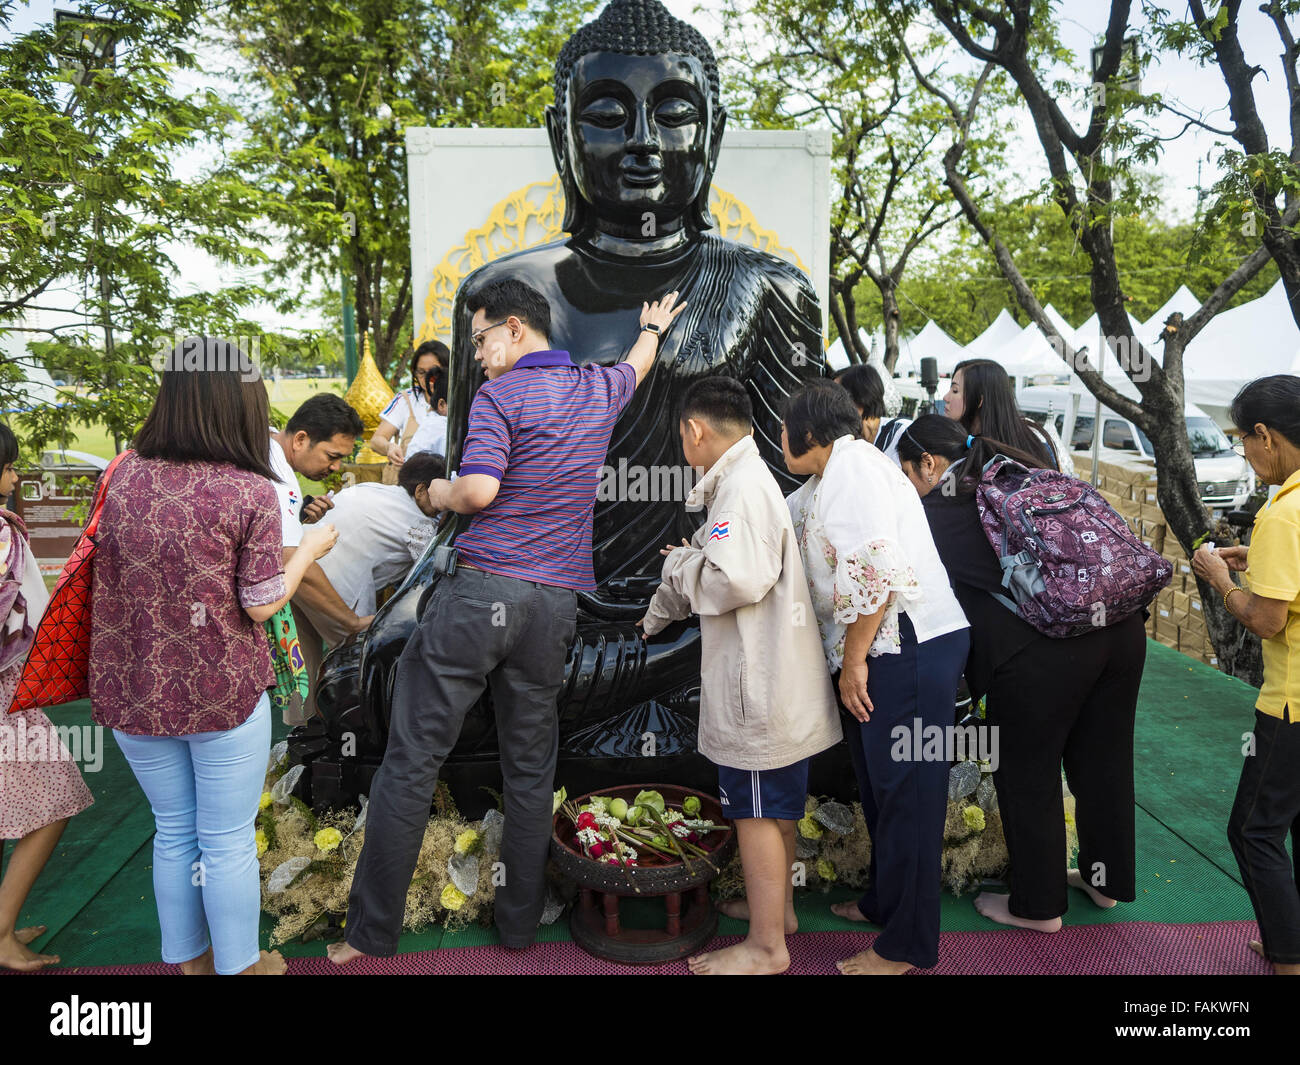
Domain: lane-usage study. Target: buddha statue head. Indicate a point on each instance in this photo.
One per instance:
(637, 124)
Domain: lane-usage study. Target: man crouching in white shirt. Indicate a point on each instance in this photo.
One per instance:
(320, 436)
(383, 529)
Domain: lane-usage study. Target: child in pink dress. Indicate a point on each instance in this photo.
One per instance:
(40, 786)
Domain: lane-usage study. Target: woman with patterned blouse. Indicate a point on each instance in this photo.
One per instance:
(187, 570)
(895, 642)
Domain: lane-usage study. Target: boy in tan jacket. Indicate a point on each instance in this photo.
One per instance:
(766, 704)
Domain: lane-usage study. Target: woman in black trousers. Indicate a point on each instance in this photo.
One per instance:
(1051, 701)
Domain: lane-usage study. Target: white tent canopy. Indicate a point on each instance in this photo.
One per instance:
(1086, 335)
(1184, 301)
(1030, 353)
(1253, 340)
(1239, 345)
(1001, 333)
(838, 359)
(38, 389)
(932, 342)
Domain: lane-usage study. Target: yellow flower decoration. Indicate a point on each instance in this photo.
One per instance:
(810, 829)
(826, 869)
(452, 898)
(974, 818)
(466, 841)
(261, 842)
(264, 801)
(328, 839)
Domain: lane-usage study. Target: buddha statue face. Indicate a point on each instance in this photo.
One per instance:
(637, 124)
(639, 135)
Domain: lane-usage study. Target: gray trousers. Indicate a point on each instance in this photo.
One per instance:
(478, 629)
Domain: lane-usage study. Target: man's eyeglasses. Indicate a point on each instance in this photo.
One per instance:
(477, 338)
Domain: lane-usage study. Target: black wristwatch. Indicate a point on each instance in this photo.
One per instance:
(651, 327)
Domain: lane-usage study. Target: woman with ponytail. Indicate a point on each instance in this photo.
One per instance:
(1050, 701)
(982, 400)
(411, 409)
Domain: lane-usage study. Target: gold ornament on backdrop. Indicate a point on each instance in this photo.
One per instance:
(368, 395)
(531, 216)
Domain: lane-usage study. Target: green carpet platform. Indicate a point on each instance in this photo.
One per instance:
(1191, 915)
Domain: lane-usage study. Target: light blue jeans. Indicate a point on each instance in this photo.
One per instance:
(204, 789)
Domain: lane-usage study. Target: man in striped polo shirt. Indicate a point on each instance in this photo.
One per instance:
(530, 468)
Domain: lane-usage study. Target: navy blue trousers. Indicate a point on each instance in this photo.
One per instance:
(905, 801)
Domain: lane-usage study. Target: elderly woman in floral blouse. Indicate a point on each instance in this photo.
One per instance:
(896, 641)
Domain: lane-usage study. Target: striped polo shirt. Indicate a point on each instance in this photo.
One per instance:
(542, 428)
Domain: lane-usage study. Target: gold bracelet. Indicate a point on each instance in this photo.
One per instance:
(1234, 588)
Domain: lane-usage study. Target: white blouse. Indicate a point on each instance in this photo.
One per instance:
(410, 401)
(864, 539)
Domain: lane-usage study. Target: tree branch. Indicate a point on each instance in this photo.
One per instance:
(1273, 10)
(1233, 283)
(1192, 120)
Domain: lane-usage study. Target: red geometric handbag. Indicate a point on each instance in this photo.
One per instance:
(57, 668)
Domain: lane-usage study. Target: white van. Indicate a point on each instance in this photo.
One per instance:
(1226, 478)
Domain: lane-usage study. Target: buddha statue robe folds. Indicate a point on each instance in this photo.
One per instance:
(635, 132)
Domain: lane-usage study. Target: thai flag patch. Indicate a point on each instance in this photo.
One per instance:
(720, 531)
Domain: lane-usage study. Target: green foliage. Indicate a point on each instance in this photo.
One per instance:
(1252, 180)
(961, 288)
(93, 212)
(304, 811)
(841, 63)
(327, 91)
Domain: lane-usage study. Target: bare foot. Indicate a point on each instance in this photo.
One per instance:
(200, 966)
(739, 909)
(743, 959)
(271, 963)
(869, 963)
(15, 955)
(341, 953)
(998, 908)
(848, 910)
(1075, 879)
(26, 935)
(1280, 968)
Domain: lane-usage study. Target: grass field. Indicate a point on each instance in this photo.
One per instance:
(285, 396)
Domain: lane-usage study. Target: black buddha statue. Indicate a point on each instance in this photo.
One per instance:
(635, 131)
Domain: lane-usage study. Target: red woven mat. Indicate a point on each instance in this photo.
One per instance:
(1139, 948)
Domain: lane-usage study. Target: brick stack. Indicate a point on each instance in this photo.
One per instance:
(1177, 619)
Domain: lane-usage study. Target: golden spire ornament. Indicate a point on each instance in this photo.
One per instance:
(368, 395)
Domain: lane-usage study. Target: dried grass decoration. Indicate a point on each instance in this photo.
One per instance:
(307, 862)
(832, 845)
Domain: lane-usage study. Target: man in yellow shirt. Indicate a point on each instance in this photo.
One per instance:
(1267, 807)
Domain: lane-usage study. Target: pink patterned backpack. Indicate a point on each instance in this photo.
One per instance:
(1070, 563)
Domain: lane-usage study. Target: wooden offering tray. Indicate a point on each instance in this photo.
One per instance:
(689, 916)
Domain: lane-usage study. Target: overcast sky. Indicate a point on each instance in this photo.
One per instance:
(1191, 88)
